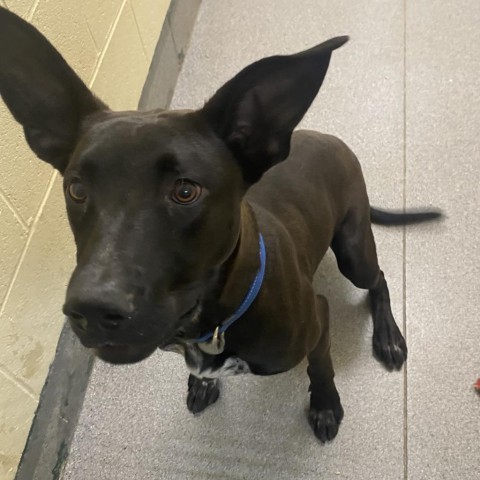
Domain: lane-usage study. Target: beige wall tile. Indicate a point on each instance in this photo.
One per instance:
(23, 177)
(16, 412)
(12, 240)
(150, 16)
(20, 7)
(123, 71)
(100, 17)
(64, 24)
(32, 319)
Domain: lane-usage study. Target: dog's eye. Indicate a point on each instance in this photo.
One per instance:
(77, 191)
(186, 192)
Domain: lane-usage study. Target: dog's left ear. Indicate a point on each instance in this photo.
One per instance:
(256, 111)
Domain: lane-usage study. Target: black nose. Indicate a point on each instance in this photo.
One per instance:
(86, 315)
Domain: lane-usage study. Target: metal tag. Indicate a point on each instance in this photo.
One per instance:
(216, 345)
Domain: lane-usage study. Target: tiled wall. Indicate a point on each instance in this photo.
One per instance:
(110, 44)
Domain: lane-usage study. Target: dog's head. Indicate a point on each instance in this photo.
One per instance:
(153, 198)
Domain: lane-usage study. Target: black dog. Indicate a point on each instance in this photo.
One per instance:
(200, 231)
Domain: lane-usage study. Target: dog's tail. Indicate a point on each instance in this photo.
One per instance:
(382, 217)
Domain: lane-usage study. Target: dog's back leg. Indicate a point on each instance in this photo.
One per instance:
(354, 247)
(326, 412)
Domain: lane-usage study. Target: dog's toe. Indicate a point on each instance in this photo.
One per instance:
(390, 348)
(325, 423)
(202, 392)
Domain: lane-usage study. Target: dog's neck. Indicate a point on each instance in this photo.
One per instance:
(236, 274)
(242, 266)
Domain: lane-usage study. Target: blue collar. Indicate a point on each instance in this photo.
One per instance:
(247, 301)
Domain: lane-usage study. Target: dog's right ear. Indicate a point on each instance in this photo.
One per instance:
(42, 92)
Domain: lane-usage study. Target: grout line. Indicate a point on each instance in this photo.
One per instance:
(27, 243)
(32, 10)
(404, 237)
(139, 32)
(16, 214)
(97, 47)
(19, 383)
(107, 44)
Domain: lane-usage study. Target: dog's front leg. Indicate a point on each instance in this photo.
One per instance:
(326, 411)
(202, 392)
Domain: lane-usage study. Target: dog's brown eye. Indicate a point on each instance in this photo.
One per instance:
(186, 192)
(77, 191)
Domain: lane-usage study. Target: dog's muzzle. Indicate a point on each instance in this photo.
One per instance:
(119, 333)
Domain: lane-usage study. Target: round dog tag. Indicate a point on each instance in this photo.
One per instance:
(216, 345)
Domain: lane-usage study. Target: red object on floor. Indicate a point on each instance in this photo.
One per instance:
(477, 385)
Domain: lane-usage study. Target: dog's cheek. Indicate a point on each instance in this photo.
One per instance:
(223, 232)
(211, 232)
(81, 229)
(194, 228)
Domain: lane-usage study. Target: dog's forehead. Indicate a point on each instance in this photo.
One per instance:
(135, 123)
(150, 139)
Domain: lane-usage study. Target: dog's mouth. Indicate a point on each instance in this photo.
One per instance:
(188, 320)
(123, 354)
(192, 313)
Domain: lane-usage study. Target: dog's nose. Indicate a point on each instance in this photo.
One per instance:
(85, 315)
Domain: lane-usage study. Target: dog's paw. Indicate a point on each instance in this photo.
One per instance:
(325, 422)
(202, 392)
(389, 346)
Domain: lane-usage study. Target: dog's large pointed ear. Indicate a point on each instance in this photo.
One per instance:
(257, 110)
(42, 92)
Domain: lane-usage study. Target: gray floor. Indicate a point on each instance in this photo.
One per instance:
(404, 95)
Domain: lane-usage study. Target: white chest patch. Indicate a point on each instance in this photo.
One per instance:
(203, 365)
(231, 366)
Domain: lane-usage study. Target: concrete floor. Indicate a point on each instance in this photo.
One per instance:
(404, 95)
